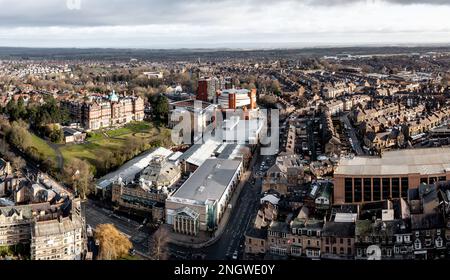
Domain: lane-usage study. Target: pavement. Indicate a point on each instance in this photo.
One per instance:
(59, 156)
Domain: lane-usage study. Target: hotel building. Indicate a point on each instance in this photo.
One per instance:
(101, 112)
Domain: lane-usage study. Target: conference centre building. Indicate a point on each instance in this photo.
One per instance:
(389, 176)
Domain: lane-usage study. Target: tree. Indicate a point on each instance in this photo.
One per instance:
(11, 109)
(275, 87)
(113, 244)
(17, 163)
(161, 108)
(158, 244)
(78, 174)
(19, 135)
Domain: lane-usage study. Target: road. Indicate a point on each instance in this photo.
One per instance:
(356, 144)
(132, 229)
(240, 220)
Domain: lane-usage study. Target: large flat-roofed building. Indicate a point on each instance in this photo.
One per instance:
(199, 204)
(366, 179)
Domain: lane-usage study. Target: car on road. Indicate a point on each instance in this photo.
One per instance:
(235, 255)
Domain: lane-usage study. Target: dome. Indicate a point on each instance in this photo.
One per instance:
(113, 96)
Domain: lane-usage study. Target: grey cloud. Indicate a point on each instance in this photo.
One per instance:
(144, 12)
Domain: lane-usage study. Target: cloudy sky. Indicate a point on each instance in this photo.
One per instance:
(221, 23)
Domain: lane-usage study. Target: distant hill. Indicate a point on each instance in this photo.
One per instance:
(204, 54)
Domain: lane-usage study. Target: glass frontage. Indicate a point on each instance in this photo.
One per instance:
(348, 190)
(358, 189)
(367, 189)
(386, 188)
(376, 189)
(395, 188)
(405, 184)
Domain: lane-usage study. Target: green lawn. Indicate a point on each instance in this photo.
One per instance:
(43, 147)
(130, 258)
(98, 143)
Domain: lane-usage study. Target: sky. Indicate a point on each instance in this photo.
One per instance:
(222, 23)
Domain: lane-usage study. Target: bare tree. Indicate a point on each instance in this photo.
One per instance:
(113, 244)
(158, 244)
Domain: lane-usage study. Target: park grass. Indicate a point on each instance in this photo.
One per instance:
(43, 147)
(130, 258)
(118, 140)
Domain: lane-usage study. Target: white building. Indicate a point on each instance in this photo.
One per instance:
(199, 204)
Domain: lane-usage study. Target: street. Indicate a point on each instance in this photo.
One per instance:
(355, 142)
(132, 229)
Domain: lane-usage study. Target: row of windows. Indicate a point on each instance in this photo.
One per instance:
(368, 189)
(341, 250)
(334, 240)
(374, 189)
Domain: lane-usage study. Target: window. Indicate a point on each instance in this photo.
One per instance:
(341, 240)
(388, 252)
(327, 241)
(417, 244)
(317, 243)
(417, 233)
(386, 188)
(406, 238)
(376, 189)
(367, 189)
(358, 190)
(405, 184)
(399, 239)
(438, 231)
(349, 242)
(349, 251)
(341, 251)
(395, 188)
(334, 250)
(249, 241)
(348, 190)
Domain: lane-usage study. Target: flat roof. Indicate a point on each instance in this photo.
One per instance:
(208, 182)
(427, 161)
(197, 154)
(129, 170)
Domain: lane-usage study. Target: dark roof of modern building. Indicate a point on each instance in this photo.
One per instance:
(339, 229)
(256, 233)
(380, 228)
(427, 221)
(279, 227)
